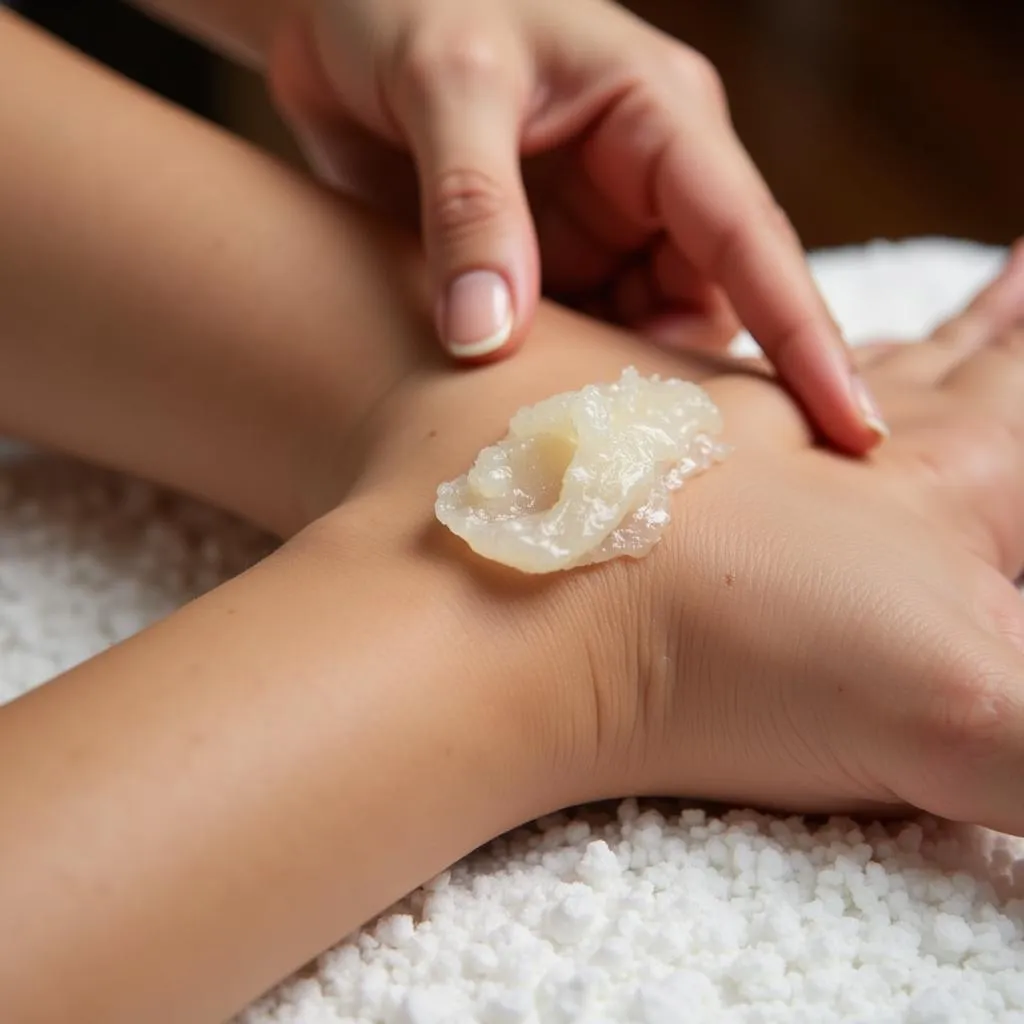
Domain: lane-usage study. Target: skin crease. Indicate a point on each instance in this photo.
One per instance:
(195, 813)
(718, 593)
(640, 202)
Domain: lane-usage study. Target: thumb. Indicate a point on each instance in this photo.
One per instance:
(481, 245)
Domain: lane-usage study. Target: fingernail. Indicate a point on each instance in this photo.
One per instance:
(477, 317)
(869, 408)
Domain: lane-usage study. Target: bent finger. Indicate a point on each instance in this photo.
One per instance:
(737, 238)
(461, 107)
(682, 168)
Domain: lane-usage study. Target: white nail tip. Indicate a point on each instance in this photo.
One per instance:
(485, 346)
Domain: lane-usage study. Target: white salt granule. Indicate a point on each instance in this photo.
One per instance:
(624, 948)
(641, 915)
(88, 558)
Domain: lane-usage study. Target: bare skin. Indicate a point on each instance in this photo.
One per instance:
(570, 146)
(195, 813)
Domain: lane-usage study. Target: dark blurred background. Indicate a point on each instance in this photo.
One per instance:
(869, 118)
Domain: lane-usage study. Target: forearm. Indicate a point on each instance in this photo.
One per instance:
(176, 304)
(173, 303)
(196, 813)
(240, 29)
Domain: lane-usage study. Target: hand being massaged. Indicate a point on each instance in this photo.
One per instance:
(813, 633)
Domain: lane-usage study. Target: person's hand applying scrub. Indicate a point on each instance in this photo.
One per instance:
(646, 207)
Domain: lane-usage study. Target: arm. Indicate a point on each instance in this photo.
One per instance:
(223, 327)
(197, 812)
(172, 306)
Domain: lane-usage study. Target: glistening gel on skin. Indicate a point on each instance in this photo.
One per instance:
(584, 476)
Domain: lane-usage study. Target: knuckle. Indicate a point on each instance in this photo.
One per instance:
(468, 57)
(992, 449)
(963, 731)
(968, 453)
(1011, 342)
(698, 76)
(473, 57)
(465, 201)
(967, 713)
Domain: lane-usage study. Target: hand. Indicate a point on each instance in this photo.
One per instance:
(813, 633)
(642, 193)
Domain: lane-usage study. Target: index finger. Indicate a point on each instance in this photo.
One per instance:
(665, 151)
(719, 212)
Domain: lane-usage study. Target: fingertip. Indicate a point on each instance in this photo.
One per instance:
(491, 355)
(839, 403)
(842, 414)
(876, 427)
(476, 318)
(859, 440)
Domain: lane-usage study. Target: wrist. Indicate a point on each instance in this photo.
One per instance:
(349, 718)
(514, 671)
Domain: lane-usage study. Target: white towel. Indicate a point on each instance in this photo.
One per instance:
(640, 914)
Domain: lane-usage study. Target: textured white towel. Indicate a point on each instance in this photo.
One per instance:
(634, 914)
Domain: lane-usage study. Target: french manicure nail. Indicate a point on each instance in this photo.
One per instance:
(477, 317)
(869, 408)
